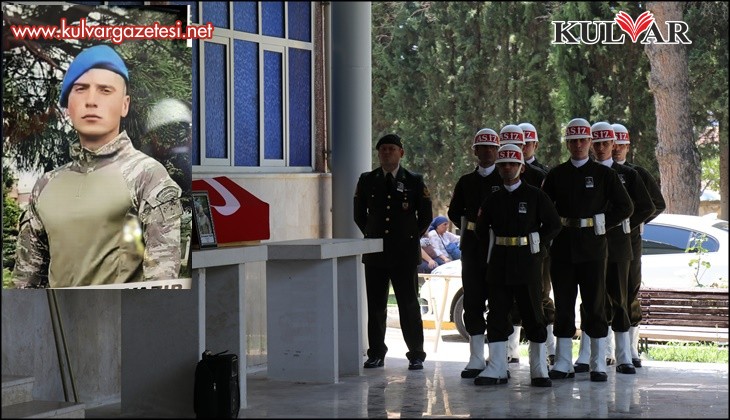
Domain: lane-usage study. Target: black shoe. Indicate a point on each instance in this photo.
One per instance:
(483, 380)
(636, 362)
(626, 368)
(610, 361)
(556, 374)
(513, 360)
(551, 360)
(581, 367)
(415, 364)
(373, 362)
(599, 377)
(470, 373)
(541, 382)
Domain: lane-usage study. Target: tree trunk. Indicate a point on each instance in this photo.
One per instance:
(723, 169)
(676, 151)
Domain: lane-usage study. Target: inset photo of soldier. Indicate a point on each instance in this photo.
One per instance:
(96, 150)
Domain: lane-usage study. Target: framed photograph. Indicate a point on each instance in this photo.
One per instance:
(203, 220)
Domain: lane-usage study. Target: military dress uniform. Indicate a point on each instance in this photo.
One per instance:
(514, 273)
(108, 216)
(620, 255)
(579, 255)
(620, 252)
(655, 193)
(470, 191)
(548, 306)
(398, 211)
(533, 176)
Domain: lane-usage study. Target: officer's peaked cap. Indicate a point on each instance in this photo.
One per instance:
(96, 57)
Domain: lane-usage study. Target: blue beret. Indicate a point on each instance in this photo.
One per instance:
(96, 57)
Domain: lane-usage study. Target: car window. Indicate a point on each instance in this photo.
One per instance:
(660, 239)
(721, 225)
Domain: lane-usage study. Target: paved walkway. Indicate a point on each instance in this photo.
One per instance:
(658, 390)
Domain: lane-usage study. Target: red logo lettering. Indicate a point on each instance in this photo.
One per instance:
(530, 134)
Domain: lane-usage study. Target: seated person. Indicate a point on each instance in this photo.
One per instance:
(429, 260)
(445, 243)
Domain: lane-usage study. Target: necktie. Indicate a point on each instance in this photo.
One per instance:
(389, 181)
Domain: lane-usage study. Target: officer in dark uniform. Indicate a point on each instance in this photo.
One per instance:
(619, 251)
(523, 220)
(532, 142)
(590, 200)
(394, 204)
(468, 194)
(620, 150)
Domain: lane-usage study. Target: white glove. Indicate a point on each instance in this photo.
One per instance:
(599, 224)
(534, 239)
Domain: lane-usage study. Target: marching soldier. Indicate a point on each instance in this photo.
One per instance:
(469, 192)
(394, 204)
(523, 220)
(127, 197)
(590, 200)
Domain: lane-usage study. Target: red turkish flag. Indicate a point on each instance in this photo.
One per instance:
(238, 215)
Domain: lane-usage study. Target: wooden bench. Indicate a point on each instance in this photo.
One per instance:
(699, 314)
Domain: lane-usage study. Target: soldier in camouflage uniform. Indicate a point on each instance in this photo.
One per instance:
(112, 215)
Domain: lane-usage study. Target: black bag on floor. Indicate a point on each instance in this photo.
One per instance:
(217, 386)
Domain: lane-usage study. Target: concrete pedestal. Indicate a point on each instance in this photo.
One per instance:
(164, 332)
(314, 289)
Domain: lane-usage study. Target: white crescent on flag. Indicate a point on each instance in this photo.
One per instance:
(231, 204)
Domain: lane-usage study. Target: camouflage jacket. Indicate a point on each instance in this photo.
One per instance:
(109, 216)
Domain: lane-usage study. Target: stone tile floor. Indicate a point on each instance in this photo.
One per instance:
(658, 390)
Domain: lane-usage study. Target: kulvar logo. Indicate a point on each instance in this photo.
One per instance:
(644, 30)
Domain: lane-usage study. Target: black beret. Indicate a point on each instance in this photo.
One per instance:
(389, 139)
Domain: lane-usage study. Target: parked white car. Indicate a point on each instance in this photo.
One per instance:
(665, 263)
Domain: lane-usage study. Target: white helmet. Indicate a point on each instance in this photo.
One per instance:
(577, 128)
(510, 153)
(485, 137)
(622, 134)
(511, 134)
(602, 131)
(530, 132)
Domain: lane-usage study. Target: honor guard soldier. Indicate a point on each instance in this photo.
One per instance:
(619, 256)
(523, 220)
(548, 306)
(531, 144)
(620, 150)
(590, 199)
(112, 214)
(513, 134)
(469, 192)
(394, 204)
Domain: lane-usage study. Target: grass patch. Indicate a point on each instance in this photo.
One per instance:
(687, 352)
(674, 351)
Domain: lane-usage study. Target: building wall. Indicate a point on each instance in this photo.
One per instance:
(92, 328)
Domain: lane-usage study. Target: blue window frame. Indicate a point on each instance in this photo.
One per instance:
(253, 87)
